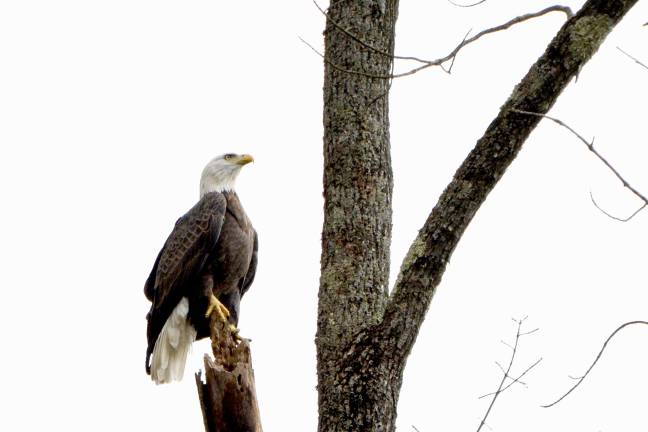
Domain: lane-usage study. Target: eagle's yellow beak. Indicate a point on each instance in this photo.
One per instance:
(244, 159)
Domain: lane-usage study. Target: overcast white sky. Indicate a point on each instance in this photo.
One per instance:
(109, 111)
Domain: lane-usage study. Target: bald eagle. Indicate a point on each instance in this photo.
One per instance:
(206, 265)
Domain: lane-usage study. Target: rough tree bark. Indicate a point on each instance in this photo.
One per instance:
(364, 334)
(228, 395)
(357, 193)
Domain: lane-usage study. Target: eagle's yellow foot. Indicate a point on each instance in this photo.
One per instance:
(216, 305)
(235, 332)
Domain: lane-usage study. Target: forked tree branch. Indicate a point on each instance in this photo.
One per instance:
(506, 374)
(580, 380)
(427, 63)
(426, 260)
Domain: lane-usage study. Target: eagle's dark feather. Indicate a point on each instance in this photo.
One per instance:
(212, 249)
(249, 277)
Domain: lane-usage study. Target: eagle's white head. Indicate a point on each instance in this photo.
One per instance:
(220, 173)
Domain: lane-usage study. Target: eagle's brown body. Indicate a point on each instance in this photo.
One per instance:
(211, 250)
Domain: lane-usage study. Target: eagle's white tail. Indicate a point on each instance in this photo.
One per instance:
(172, 346)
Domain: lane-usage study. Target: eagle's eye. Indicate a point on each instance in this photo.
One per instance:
(229, 156)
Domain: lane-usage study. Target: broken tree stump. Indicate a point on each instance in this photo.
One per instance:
(228, 397)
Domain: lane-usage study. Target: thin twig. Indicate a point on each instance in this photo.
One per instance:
(590, 147)
(429, 63)
(341, 69)
(530, 331)
(515, 380)
(626, 219)
(633, 58)
(580, 380)
(454, 57)
(564, 9)
(504, 372)
(466, 6)
(506, 343)
(362, 42)
(507, 373)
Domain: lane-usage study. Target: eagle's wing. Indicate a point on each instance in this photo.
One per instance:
(249, 276)
(149, 286)
(192, 240)
(182, 259)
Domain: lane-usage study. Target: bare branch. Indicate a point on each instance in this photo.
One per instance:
(633, 58)
(635, 213)
(466, 6)
(590, 147)
(501, 368)
(454, 57)
(348, 71)
(361, 41)
(530, 332)
(423, 267)
(430, 63)
(507, 344)
(515, 380)
(507, 373)
(580, 380)
(564, 9)
(312, 48)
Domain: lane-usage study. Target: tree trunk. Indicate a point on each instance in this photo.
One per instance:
(357, 216)
(364, 335)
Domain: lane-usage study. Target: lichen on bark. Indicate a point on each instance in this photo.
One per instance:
(587, 34)
(364, 335)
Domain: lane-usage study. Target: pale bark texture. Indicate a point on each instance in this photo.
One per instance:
(365, 335)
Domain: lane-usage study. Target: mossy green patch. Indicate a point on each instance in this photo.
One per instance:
(587, 34)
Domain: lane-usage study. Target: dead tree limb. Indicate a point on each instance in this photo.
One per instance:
(580, 380)
(228, 397)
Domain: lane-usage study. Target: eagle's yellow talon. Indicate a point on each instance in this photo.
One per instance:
(235, 332)
(216, 305)
(223, 310)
